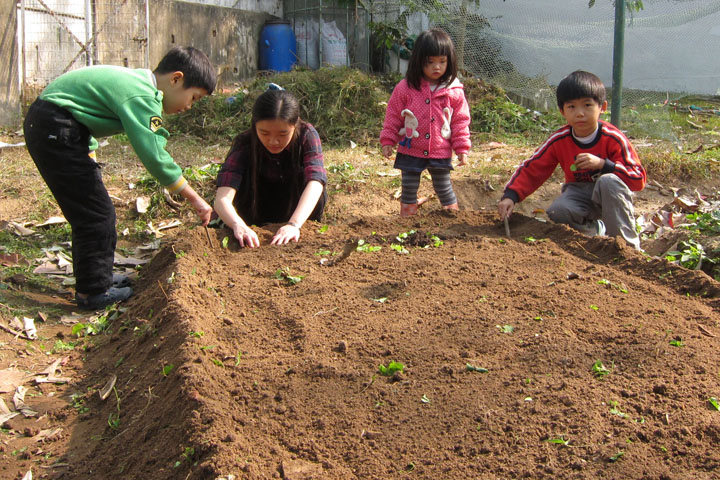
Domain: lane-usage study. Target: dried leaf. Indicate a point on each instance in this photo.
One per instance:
(52, 221)
(105, 392)
(142, 204)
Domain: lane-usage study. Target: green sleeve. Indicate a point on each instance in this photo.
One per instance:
(142, 121)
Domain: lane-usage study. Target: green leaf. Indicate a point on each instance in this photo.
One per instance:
(391, 368)
(473, 368)
(714, 402)
(167, 369)
(225, 241)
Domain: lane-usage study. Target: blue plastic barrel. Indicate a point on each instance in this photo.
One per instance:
(277, 46)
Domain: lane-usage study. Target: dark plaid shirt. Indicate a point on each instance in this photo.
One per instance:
(274, 168)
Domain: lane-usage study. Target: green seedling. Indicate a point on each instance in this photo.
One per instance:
(436, 242)
(677, 342)
(186, 456)
(167, 369)
(61, 346)
(238, 356)
(114, 421)
(690, 254)
(399, 248)
(714, 402)
(610, 284)
(218, 362)
(594, 307)
(78, 403)
(284, 274)
(473, 368)
(615, 411)
(391, 368)
(404, 235)
(207, 347)
(321, 253)
(197, 334)
(617, 456)
(506, 328)
(600, 370)
(424, 399)
(180, 254)
(323, 229)
(559, 441)
(365, 247)
(225, 242)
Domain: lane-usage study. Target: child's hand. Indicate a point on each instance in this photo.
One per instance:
(285, 234)
(387, 151)
(202, 209)
(588, 161)
(505, 208)
(462, 159)
(246, 236)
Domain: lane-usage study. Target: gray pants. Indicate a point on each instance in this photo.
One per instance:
(581, 205)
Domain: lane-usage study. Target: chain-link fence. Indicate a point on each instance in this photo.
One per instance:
(526, 47)
(61, 35)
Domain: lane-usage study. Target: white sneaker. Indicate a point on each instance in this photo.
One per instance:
(600, 228)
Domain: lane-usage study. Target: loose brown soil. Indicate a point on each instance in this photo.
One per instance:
(282, 380)
(226, 368)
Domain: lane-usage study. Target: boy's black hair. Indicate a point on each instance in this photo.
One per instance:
(270, 105)
(196, 67)
(580, 84)
(431, 43)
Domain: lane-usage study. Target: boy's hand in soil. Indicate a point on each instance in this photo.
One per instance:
(505, 208)
(588, 161)
(286, 234)
(203, 210)
(387, 151)
(246, 236)
(462, 159)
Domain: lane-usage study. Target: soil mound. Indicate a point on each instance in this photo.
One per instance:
(543, 355)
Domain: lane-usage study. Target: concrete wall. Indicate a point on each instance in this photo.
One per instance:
(228, 36)
(9, 84)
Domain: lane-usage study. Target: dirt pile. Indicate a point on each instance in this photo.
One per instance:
(265, 363)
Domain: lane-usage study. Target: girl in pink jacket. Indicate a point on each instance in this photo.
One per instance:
(428, 118)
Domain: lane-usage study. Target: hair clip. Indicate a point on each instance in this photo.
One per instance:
(274, 86)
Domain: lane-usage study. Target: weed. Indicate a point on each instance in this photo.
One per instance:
(391, 368)
(714, 402)
(218, 362)
(166, 369)
(197, 334)
(61, 346)
(615, 410)
(323, 229)
(78, 403)
(238, 356)
(690, 254)
(186, 456)
(706, 222)
(284, 274)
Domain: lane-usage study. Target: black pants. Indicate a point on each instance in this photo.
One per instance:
(58, 144)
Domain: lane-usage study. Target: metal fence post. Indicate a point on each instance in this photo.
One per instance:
(618, 54)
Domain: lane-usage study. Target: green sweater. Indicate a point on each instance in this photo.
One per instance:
(110, 100)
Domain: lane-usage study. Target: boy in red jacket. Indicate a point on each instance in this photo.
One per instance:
(602, 169)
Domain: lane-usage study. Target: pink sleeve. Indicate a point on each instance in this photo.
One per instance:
(393, 121)
(460, 124)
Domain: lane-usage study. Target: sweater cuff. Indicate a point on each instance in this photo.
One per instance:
(177, 186)
(512, 195)
(609, 166)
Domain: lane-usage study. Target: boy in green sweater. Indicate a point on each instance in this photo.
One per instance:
(60, 131)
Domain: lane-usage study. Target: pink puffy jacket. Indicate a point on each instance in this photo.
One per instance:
(443, 120)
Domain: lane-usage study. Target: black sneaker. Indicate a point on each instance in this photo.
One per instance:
(119, 280)
(102, 300)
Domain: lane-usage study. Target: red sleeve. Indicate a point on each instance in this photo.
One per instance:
(627, 162)
(533, 172)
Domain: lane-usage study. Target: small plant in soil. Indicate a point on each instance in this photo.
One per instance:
(186, 456)
(559, 441)
(610, 284)
(677, 342)
(714, 403)
(167, 369)
(617, 456)
(424, 399)
(615, 410)
(197, 334)
(284, 275)
(690, 254)
(473, 368)
(391, 368)
(365, 247)
(600, 370)
(508, 328)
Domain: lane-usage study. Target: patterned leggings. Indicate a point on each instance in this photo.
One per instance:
(441, 184)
